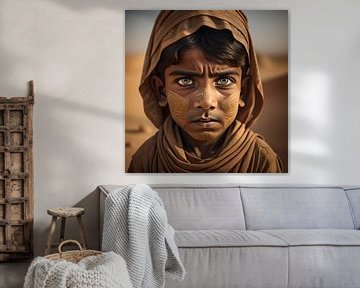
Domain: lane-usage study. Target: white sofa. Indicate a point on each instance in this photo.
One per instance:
(249, 236)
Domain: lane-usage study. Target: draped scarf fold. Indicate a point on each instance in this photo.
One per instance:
(165, 153)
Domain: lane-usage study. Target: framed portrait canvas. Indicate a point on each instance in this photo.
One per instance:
(206, 91)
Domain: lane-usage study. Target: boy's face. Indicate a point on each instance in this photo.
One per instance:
(203, 96)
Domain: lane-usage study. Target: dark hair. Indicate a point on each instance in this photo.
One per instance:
(218, 46)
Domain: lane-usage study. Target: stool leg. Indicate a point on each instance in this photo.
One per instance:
(51, 234)
(82, 232)
(62, 231)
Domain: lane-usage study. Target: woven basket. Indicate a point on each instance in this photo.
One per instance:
(72, 256)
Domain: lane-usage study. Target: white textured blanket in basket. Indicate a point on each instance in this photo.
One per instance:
(101, 270)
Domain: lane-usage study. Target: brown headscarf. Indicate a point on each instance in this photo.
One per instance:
(170, 26)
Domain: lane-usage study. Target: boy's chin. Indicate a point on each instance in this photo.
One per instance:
(203, 138)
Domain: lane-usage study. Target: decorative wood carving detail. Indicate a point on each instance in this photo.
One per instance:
(16, 177)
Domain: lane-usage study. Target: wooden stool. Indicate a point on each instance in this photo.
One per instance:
(64, 213)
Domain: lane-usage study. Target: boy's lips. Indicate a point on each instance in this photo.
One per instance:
(202, 119)
(206, 123)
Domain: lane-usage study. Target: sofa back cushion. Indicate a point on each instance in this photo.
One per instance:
(354, 198)
(296, 208)
(202, 207)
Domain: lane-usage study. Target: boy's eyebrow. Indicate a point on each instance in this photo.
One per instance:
(184, 72)
(194, 73)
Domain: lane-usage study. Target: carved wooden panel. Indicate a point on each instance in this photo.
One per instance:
(16, 177)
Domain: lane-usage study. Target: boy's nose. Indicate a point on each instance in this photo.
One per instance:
(206, 99)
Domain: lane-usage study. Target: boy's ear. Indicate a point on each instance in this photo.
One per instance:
(159, 88)
(241, 102)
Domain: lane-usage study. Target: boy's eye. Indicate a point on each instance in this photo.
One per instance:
(185, 81)
(224, 81)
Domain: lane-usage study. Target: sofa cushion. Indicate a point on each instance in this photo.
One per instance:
(354, 198)
(226, 238)
(316, 237)
(296, 208)
(218, 267)
(322, 257)
(191, 207)
(324, 266)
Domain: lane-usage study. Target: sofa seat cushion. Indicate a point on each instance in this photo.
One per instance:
(226, 238)
(315, 237)
(231, 258)
(322, 258)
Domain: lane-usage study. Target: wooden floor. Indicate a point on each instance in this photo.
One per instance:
(12, 274)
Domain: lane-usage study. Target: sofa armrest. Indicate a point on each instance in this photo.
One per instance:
(102, 197)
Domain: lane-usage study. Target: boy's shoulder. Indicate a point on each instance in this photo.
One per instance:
(262, 146)
(148, 146)
(265, 156)
(144, 155)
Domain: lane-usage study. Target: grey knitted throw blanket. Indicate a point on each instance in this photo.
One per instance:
(136, 227)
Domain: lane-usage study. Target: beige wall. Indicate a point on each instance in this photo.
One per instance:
(74, 51)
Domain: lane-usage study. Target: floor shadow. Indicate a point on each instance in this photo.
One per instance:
(12, 275)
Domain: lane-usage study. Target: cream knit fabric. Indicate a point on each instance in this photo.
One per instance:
(136, 227)
(107, 270)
